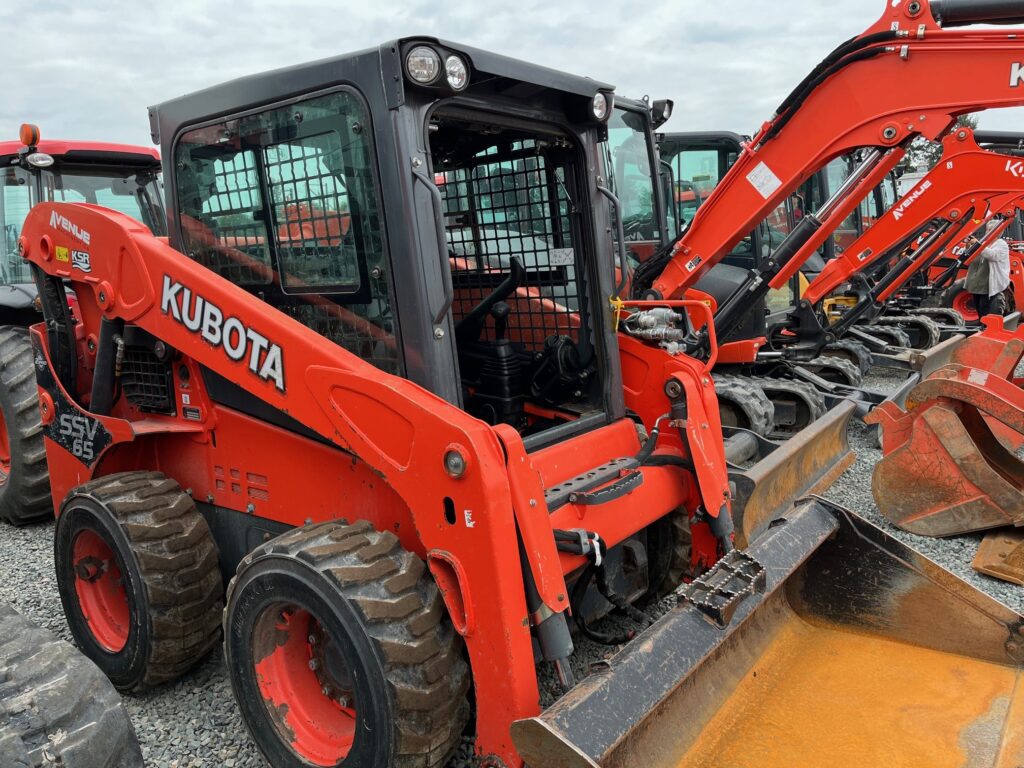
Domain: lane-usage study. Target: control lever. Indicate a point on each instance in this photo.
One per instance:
(500, 313)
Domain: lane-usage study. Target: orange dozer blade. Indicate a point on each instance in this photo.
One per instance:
(1001, 555)
(852, 650)
(805, 464)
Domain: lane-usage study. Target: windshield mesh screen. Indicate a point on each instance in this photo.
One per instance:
(510, 201)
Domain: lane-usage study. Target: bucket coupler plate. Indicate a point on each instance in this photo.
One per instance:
(1001, 555)
(804, 673)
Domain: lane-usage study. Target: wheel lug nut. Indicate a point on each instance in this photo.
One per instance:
(313, 664)
(312, 639)
(325, 691)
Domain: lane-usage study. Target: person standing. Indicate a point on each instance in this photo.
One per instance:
(989, 274)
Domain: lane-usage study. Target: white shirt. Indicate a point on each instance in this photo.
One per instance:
(998, 257)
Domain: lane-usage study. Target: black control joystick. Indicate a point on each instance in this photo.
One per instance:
(500, 313)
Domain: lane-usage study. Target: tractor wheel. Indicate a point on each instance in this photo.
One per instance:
(742, 403)
(854, 351)
(835, 370)
(24, 480)
(340, 651)
(56, 708)
(955, 297)
(138, 575)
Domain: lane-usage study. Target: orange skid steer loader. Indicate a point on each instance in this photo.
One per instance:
(433, 454)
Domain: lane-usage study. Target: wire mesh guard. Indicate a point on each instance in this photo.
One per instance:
(508, 202)
(295, 221)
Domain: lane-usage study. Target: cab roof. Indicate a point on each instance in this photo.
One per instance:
(86, 152)
(382, 64)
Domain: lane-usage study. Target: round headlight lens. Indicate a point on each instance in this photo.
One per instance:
(600, 106)
(458, 74)
(423, 64)
(39, 160)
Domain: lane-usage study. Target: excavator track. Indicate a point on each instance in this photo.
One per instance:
(797, 404)
(744, 403)
(835, 369)
(945, 315)
(892, 334)
(854, 351)
(923, 332)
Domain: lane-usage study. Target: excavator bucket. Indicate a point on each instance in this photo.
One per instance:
(826, 638)
(950, 464)
(1001, 555)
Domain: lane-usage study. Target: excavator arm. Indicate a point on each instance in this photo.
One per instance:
(910, 74)
(968, 182)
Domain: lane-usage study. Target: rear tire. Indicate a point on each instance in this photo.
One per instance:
(340, 652)
(56, 708)
(139, 579)
(24, 479)
(958, 298)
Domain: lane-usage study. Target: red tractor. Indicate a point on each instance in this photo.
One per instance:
(124, 178)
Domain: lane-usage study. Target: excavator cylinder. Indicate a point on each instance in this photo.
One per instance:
(831, 644)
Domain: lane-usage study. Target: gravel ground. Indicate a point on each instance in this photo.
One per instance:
(195, 722)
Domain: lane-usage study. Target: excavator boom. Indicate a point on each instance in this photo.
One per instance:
(931, 74)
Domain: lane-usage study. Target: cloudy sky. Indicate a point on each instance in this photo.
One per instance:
(87, 69)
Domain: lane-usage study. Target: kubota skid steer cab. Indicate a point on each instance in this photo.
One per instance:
(377, 370)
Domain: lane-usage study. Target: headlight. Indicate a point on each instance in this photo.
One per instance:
(599, 106)
(458, 74)
(423, 64)
(39, 160)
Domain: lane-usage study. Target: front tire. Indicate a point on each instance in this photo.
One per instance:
(139, 579)
(341, 653)
(24, 479)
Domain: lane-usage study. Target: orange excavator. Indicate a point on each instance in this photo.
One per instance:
(815, 124)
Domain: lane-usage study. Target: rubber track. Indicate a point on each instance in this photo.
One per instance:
(56, 707)
(891, 334)
(930, 327)
(25, 497)
(948, 315)
(858, 352)
(748, 396)
(812, 398)
(177, 558)
(405, 617)
(850, 372)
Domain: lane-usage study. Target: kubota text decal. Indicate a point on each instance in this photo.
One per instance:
(240, 343)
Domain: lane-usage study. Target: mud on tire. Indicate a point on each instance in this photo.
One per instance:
(338, 625)
(139, 531)
(56, 707)
(24, 480)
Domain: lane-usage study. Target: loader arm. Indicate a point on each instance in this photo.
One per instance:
(967, 178)
(931, 76)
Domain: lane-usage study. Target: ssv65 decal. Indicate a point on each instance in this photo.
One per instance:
(240, 343)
